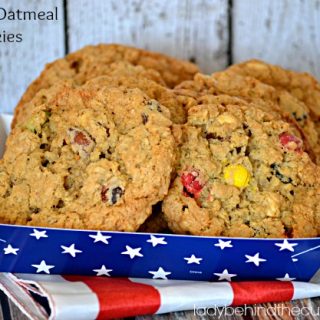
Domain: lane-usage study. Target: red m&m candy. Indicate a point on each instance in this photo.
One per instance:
(191, 183)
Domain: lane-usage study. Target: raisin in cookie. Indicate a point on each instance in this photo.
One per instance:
(94, 61)
(242, 173)
(87, 158)
(270, 99)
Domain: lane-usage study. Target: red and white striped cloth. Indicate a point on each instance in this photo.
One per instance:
(82, 297)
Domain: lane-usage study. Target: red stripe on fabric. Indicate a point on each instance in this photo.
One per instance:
(261, 291)
(120, 297)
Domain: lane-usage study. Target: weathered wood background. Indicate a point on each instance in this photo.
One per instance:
(213, 33)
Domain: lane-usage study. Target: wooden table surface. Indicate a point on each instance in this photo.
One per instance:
(308, 309)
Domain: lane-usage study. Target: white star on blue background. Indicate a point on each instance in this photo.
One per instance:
(286, 245)
(193, 259)
(43, 267)
(133, 252)
(225, 275)
(256, 260)
(39, 234)
(160, 274)
(99, 237)
(156, 240)
(71, 250)
(103, 271)
(10, 250)
(224, 244)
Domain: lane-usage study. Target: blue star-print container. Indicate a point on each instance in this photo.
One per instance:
(158, 256)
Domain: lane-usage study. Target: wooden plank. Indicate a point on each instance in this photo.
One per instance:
(196, 30)
(278, 31)
(20, 63)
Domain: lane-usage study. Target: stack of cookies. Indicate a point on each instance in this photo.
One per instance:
(118, 138)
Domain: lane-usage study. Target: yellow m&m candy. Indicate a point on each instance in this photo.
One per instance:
(237, 175)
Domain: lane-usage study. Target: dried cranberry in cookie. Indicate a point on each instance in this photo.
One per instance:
(248, 175)
(291, 142)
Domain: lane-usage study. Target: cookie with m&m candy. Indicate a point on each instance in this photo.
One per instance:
(243, 172)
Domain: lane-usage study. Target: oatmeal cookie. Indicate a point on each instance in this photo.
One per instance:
(132, 79)
(87, 159)
(270, 99)
(300, 84)
(242, 173)
(94, 61)
(120, 74)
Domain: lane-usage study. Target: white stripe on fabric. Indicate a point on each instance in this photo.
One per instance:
(305, 290)
(178, 295)
(12, 288)
(67, 300)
